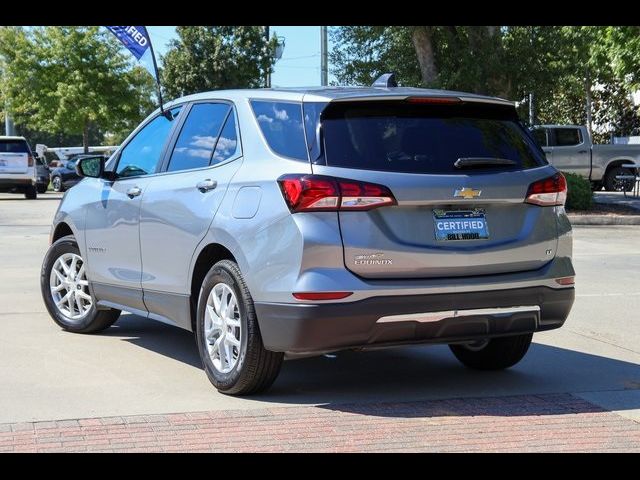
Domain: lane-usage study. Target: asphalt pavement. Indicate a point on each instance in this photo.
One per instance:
(140, 367)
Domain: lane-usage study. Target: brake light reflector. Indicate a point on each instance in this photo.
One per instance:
(317, 193)
(548, 191)
(30, 161)
(321, 295)
(566, 281)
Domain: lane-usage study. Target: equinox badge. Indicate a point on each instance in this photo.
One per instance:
(467, 193)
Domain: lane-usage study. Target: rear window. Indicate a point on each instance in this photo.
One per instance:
(281, 125)
(401, 137)
(14, 146)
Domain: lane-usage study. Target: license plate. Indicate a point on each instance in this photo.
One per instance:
(454, 225)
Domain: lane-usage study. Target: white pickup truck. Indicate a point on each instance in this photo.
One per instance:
(569, 148)
(17, 167)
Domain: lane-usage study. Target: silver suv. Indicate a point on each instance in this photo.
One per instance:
(299, 222)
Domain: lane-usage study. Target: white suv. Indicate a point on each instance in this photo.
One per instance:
(17, 167)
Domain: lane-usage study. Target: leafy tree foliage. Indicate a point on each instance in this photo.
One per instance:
(209, 58)
(70, 80)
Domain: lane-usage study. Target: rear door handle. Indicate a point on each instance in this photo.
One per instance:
(206, 185)
(134, 192)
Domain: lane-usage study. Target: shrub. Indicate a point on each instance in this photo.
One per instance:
(579, 194)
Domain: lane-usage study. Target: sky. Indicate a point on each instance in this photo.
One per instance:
(300, 62)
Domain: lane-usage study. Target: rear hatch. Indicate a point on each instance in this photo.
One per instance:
(14, 156)
(459, 172)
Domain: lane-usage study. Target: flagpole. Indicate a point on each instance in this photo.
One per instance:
(155, 67)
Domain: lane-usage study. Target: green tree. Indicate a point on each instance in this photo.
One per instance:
(72, 80)
(209, 58)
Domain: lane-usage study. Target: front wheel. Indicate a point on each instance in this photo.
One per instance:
(494, 354)
(65, 290)
(56, 184)
(228, 336)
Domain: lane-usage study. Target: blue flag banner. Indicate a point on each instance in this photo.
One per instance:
(137, 40)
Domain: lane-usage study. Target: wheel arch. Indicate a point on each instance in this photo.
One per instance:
(211, 254)
(617, 162)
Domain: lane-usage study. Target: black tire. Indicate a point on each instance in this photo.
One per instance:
(31, 193)
(256, 368)
(497, 354)
(56, 184)
(596, 186)
(612, 184)
(95, 320)
(41, 189)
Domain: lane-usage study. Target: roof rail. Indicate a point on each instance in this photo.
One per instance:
(386, 80)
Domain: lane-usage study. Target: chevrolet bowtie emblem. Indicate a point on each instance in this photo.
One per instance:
(467, 193)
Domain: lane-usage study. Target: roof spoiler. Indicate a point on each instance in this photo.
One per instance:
(387, 80)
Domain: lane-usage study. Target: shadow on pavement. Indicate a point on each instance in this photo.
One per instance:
(348, 380)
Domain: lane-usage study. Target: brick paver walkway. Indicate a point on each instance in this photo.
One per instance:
(559, 422)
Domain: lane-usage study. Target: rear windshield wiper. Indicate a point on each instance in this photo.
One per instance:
(479, 162)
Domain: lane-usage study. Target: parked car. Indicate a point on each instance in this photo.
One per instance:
(17, 167)
(569, 148)
(65, 176)
(42, 175)
(299, 222)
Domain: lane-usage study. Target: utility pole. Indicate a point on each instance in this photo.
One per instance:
(324, 53)
(532, 109)
(9, 128)
(587, 88)
(267, 82)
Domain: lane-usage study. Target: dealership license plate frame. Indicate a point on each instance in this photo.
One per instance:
(468, 231)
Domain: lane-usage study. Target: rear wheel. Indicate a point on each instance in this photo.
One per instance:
(494, 354)
(613, 184)
(42, 188)
(31, 193)
(229, 339)
(56, 184)
(66, 293)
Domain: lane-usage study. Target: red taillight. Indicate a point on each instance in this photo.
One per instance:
(30, 161)
(321, 295)
(434, 100)
(548, 191)
(318, 193)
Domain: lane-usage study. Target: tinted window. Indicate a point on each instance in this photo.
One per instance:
(141, 155)
(14, 146)
(540, 135)
(400, 137)
(281, 124)
(197, 140)
(567, 136)
(227, 146)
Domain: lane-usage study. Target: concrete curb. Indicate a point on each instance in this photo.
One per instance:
(604, 219)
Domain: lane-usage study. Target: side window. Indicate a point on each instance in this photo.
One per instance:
(142, 154)
(540, 135)
(198, 138)
(227, 146)
(566, 137)
(281, 124)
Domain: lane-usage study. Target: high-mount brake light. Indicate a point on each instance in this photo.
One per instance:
(320, 193)
(551, 191)
(434, 100)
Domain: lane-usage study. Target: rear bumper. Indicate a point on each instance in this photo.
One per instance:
(375, 321)
(7, 183)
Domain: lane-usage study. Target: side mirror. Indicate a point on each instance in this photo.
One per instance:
(92, 167)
